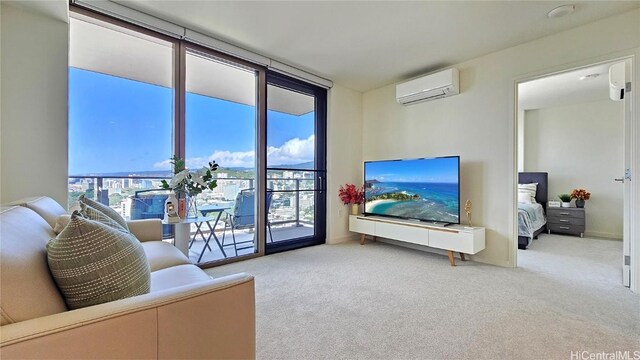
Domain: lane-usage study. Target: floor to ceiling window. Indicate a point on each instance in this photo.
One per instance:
(121, 111)
(220, 124)
(137, 98)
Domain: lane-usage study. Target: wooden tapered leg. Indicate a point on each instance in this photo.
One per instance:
(452, 261)
(462, 257)
(362, 239)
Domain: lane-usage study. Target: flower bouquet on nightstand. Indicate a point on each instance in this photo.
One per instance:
(580, 195)
(350, 194)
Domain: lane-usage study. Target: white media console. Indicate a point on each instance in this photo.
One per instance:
(454, 238)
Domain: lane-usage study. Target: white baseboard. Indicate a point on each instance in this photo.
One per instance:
(341, 239)
(605, 235)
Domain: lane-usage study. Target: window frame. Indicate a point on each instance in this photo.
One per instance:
(180, 48)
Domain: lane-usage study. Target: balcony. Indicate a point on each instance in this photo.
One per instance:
(291, 213)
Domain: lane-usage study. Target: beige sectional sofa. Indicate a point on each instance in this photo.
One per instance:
(186, 315)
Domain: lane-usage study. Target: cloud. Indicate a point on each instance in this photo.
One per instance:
(293, 151)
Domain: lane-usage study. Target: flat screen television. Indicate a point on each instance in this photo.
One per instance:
(426, 189)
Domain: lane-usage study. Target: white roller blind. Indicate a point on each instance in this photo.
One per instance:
(223, 47)
(162, 26)
(133, 16)
(300, 74)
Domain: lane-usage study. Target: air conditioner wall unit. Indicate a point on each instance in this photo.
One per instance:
(429, 87)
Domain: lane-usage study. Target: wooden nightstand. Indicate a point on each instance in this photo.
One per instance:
(566, 220)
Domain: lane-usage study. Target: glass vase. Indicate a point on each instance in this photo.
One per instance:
(192, 207)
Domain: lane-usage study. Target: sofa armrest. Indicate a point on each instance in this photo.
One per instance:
(146, 229)
(209, 319)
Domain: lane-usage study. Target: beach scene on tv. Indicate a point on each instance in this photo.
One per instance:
(424, 189)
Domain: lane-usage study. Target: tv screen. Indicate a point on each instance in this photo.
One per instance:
(420, 189)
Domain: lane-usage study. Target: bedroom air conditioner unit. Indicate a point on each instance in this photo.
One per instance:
(616, 81)
(430, 87)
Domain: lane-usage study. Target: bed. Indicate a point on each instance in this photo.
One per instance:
(532, 217)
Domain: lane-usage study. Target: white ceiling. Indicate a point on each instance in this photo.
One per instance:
(565, 88)
(364, 44)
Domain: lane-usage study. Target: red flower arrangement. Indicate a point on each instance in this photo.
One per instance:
(580, 194)
(350, 194)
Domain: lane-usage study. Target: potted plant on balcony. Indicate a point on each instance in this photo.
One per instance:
(580, 195)
(188, 184)
(350, 194)
(566, 200)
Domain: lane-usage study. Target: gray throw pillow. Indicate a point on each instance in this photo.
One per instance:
(93, 263)
(97, 215)
(105, 210)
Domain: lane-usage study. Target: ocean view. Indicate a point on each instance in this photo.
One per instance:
(436, 201)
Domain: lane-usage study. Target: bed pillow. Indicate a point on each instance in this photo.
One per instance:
(524, 197)
(93, 263)
(529, 189)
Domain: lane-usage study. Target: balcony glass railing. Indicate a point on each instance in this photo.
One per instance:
(292, 200)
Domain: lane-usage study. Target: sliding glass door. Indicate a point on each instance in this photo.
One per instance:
(296, 165)
(220, 125)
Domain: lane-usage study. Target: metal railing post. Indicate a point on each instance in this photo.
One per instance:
(297, 202)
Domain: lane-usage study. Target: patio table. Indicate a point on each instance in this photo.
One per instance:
(206, 210)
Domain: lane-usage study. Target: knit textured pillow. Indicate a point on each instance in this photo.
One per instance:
(97, 215)
(93, 263)
(105, 210)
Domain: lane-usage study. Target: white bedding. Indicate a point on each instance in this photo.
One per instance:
(530, 218)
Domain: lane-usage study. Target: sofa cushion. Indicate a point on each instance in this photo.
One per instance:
(177, 276)
(61, 223)
(162, 255)
(94, 263)
(44, 206)
(104, 209)
(27, 290)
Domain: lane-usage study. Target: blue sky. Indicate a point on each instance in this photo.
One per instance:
(120, 125)
(440, 170)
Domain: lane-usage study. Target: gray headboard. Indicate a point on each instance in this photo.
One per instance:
(542, 178)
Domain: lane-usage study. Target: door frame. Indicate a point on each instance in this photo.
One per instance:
(631, 150)
(320, 160)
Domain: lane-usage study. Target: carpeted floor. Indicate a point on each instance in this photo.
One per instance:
(381, 301)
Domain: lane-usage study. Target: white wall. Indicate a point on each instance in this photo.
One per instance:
(344, 156)
(479, 123)
(33, 129)
(521, 140)
(581, 145)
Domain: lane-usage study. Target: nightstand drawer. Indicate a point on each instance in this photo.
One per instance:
(570, 229)
(566, 212)
(565, 220)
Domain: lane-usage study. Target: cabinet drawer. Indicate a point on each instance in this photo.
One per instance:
(361, 226)
(454, 241)
(407, 233)
(565, 220)
(565, 213)
(566, 228)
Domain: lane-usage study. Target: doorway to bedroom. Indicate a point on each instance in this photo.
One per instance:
(572, 145)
